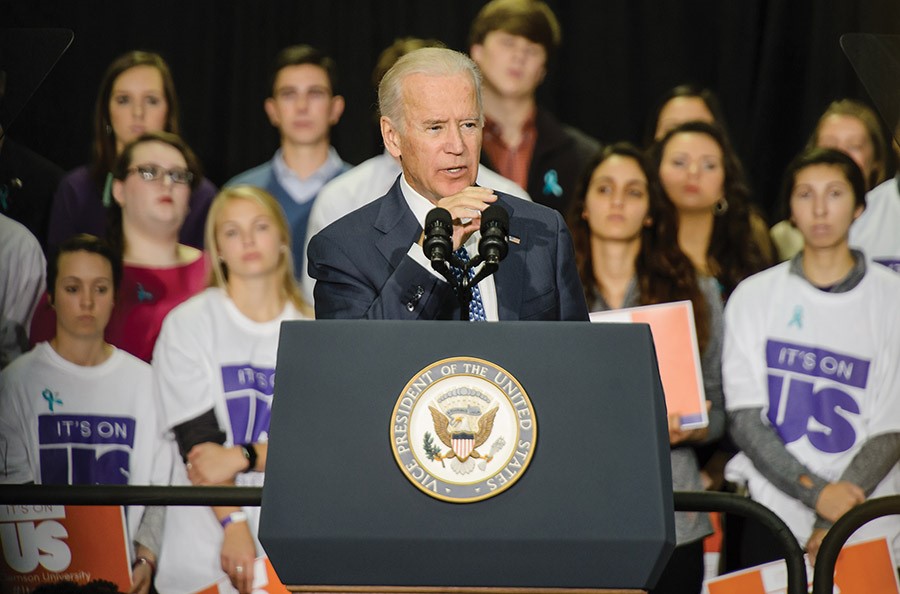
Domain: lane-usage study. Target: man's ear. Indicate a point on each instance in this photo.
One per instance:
(269, 107)
(391, 137)
(336, 110)
(475, 52)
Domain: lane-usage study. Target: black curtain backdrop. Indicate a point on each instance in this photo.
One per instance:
(775, 64)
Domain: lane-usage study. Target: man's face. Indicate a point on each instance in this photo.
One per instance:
(512, 65)
(439, 141)
(302, 105)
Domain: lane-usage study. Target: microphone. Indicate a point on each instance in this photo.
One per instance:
(438, 244)
(493, 246)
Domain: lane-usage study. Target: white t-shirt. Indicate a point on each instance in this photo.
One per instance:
(877, 231)
(62, 423)
(824, 368)
(22, 268)
(210, 356)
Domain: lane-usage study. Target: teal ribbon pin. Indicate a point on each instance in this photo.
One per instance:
(551, 183)
(51, 399)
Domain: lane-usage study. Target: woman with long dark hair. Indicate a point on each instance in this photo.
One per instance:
(718, 228)
(136, 95)
(626, 249)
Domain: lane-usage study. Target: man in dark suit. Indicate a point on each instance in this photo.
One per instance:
(370, 264)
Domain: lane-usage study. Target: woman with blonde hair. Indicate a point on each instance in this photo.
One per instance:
(215, 360)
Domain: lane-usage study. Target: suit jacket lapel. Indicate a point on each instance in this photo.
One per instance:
(508, 278)
(397, 225)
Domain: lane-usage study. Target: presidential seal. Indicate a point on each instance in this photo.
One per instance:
(463, 430)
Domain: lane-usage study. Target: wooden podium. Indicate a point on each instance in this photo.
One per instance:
(592, 512)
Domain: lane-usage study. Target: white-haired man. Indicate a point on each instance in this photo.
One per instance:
(370, 263)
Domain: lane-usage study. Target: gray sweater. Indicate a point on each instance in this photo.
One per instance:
(691, 526)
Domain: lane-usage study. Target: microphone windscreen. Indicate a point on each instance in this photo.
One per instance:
(495, 216)
(438, 216)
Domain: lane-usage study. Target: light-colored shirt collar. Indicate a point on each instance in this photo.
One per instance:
(420, 207)
(303, 190)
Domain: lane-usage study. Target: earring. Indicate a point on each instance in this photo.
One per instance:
(721, 206)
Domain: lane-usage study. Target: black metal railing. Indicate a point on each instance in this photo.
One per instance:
(239, 496)
(128, 495)
(823, 574)
(743, 506)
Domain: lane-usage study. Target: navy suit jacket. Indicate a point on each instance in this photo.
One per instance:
(362, 269)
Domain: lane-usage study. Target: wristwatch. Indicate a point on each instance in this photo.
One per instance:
(249, 451)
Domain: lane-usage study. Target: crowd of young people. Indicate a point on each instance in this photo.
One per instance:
(162, 293)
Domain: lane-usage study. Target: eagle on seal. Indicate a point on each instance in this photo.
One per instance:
(462, 439)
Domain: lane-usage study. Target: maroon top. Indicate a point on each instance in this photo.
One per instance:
(144, 298)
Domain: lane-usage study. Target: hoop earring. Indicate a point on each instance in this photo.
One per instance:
(721, 206)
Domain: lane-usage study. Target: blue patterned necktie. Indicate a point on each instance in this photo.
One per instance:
(476, 307)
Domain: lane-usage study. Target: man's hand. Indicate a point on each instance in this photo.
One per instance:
(836, 499)
(465, 209)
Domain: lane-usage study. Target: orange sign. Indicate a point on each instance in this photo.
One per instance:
(861, 568)
(45, 544)
(677, 353)
(265, 580)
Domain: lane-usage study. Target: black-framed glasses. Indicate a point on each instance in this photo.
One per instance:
(150, 172)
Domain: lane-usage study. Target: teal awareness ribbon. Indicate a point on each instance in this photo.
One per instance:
(551, 183)
(107, 190)
(797, 318)
(50, 398)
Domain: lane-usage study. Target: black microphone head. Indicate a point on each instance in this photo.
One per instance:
(493, 245)
(495, 216)
(438, 244)
(439, 216)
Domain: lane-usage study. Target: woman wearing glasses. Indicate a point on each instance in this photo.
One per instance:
(137, 95)
(151, 190)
